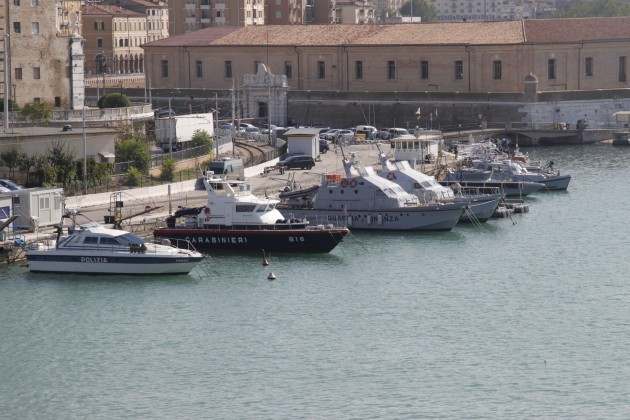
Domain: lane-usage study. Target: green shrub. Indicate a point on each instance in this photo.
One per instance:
(134, 177)
(114, 100)
(168, 169)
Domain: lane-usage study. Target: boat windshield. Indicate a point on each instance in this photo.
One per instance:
(130, 238)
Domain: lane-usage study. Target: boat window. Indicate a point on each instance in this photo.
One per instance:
(261, 208)
(109, 241)
(245, 208)
(130, 238)
(90, 240)
(271, 207)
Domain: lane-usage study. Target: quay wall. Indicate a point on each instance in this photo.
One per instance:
(448, 111)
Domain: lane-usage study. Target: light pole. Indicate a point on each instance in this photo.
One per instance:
(85, 189)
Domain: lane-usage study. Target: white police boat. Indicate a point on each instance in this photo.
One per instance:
(94, 249)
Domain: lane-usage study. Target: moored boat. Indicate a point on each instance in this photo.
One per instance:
(237, 220)
(363, 200)
(98, 250)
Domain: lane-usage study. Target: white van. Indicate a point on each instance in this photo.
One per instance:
(369, 131)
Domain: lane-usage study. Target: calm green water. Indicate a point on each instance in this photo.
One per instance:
(525, 318)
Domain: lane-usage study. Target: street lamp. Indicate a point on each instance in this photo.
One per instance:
(14, 86)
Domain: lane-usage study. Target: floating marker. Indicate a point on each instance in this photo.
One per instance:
(271, 276)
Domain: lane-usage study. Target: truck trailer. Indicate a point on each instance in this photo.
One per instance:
(175, 133)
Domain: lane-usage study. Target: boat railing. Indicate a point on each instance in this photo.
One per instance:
(178, 243)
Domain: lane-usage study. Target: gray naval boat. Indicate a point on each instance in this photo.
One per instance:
(481, 206)
(363, 200)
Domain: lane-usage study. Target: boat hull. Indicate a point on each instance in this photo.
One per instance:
(430, 218)
(270, 240)
(86, 263)
(511, 189)
(481, 209)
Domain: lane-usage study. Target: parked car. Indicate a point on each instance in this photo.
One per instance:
(392, 133)
(323, 146)
(297, 161)
(328, 134)
(10, 185)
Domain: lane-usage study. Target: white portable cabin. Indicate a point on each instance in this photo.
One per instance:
(304, 141)
(421, 147)
(36, 207)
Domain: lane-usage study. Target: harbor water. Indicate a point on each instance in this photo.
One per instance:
(523, 317)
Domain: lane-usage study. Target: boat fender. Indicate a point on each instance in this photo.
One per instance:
(353, 183)
(206, 210)
(344, 183)
(391, 176)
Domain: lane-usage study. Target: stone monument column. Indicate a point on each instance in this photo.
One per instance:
(77, 70)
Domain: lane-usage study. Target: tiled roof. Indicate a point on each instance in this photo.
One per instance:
(459, 33)
(94, 9)
(577, 30)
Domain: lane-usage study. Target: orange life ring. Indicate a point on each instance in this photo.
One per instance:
(344, 183)
(206, 210)
(391, 176)
(353, 183)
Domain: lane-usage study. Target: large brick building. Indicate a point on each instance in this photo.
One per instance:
(567, 54)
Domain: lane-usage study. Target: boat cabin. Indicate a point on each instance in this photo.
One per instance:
(418, 148)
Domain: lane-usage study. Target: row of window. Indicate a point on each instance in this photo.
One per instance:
(17, 28)
(33, 2)
(458, 69)
(37, 73)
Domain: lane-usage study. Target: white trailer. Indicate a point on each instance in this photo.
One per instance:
(175, 133)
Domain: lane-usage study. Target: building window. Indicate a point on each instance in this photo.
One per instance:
(35, 28)
(17, 27)
(36, 73)
(424, 70)
(496, 72)
(588, 66)
(57, 101)
(622, 69)
(551, 69)
(18, 73)
(164, 68)
(278, 14)
(16, 2)
(321, 70)
(228, 69)
(34, 2)
(459, 70)
(37, 100)
(358, 70)
(99, 42)
(199, 69)
(391, 70)
(288, 69)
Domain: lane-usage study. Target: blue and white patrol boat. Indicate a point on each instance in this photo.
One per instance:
(94, 249)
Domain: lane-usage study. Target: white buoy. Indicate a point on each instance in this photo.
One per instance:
(271, 276)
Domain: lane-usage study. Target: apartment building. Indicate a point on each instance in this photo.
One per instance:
(43, 52)
(478, 57)
(156, 13)
(113, 36)
(191, 15)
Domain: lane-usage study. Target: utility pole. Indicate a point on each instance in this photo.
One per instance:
(5, 60)
(170, 129)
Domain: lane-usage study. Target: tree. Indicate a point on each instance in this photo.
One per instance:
(420, 8)
(135, 151)
(202, 138)
(596, 8)
(11, 157)
(37, 112)
(114, 100)
(56, 167)
(134, 176)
